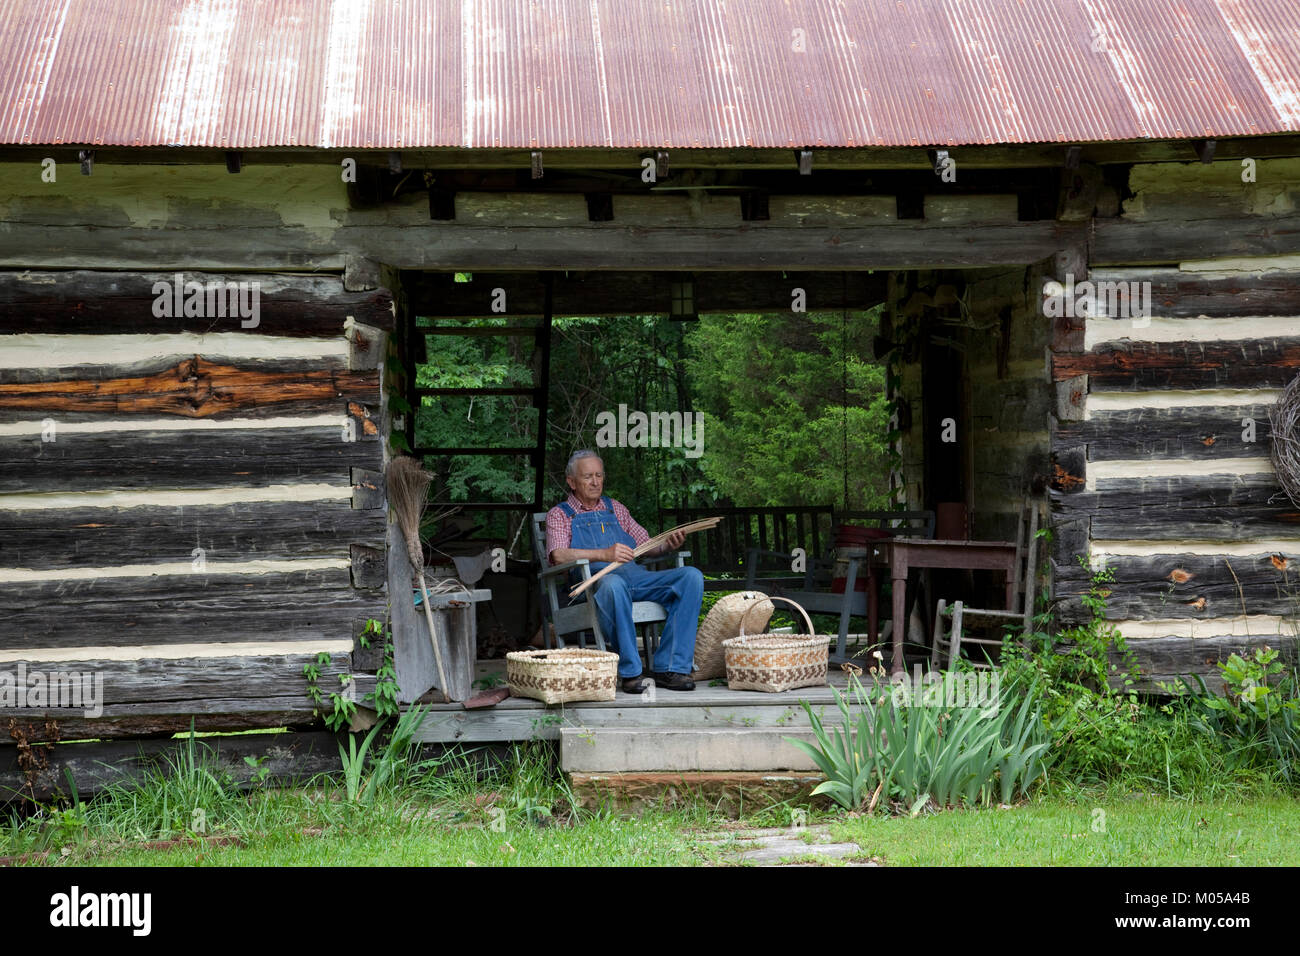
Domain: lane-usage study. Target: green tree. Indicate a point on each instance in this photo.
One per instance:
(794, 404)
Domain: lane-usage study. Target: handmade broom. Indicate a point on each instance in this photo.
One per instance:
(638, 551)
(408, 486)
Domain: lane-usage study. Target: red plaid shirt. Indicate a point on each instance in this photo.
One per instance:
(559, 526)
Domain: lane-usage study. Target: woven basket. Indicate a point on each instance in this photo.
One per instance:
(563, 675)
(721, 623)
(777, 662)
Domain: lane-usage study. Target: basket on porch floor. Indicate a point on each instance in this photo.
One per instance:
(562, 675)
(721, 623)
(777, 662)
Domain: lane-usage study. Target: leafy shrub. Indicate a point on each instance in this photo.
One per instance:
(1257, 721)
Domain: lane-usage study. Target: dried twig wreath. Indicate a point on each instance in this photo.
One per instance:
(1284, 422)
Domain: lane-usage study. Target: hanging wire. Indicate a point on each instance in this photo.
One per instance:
(844, 375)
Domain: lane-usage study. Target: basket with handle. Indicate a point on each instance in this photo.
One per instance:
(777, 662)
(562, 675)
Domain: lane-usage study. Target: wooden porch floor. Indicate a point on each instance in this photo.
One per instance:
(520, 718)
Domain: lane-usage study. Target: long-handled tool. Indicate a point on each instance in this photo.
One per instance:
(408, 486)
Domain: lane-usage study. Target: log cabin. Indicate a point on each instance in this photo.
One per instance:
(219, 226)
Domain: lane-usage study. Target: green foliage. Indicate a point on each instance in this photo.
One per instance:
(187, 792)
(1096, 727)
(776, 393)
(388, 766)
(1103, 732)
(1258, 722)
(522, 789)
(384, 696)
(259, 773)
(774, 390)
(340, 708)
(917, 751)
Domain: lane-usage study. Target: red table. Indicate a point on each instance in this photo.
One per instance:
(903, 554)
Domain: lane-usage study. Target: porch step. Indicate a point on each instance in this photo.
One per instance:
(630, 750)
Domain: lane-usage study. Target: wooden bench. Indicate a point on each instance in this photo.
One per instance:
(724, 553)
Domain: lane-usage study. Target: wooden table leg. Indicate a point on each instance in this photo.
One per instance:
(899, 577)
(873, 606)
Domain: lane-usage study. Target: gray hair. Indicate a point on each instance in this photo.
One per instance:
(571, 468)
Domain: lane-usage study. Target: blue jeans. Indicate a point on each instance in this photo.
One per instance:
(679, 590)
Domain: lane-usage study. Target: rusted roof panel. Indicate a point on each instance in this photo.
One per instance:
(395, 74)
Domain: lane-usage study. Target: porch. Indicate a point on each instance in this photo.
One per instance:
(708, 729)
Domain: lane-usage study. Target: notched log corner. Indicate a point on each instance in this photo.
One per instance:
(368, 489)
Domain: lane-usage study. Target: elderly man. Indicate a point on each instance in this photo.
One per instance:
(589, 525)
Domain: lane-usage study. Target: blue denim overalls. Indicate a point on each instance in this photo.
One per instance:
(679, 590)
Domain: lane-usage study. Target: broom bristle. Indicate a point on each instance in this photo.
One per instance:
(408, 487)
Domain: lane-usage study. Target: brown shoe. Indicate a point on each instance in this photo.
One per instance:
(634, 685)
(670, 680)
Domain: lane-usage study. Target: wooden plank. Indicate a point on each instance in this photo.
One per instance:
(83, 301)
(1161, 660)
(422, 244)
(1195, 586)
(362, 409)
(1266, 363)
(446, 726)
(412, 654)
(1121, 242)
(285, 758)
(1201, 432)
(55, 538)
(153, 696)
(206, 458)
(176, 682)
(1210, 507)
(70, 595)
(199, 616)
(1188, 295)
(192, 387)
(139, 720)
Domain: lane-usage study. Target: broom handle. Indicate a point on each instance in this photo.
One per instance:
(433, 639)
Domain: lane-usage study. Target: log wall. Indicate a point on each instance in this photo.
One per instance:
(188, 506)
(1160, 434)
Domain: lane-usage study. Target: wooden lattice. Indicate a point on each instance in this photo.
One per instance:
(1284, 422)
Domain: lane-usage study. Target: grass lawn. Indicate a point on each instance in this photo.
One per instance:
(297, 829)
(1118, 830)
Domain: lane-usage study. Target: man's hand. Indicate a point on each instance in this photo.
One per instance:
(674, 541)
(619, 552)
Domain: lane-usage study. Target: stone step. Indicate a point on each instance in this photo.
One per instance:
(618, 750)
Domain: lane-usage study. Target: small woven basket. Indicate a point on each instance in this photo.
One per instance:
(777, 662)
(721, 623)
(562, 675)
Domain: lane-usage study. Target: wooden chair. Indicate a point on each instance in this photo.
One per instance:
(816, 596)
(578, 616)
(1022, 591)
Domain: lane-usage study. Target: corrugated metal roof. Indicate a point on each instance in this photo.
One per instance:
(241, 74)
